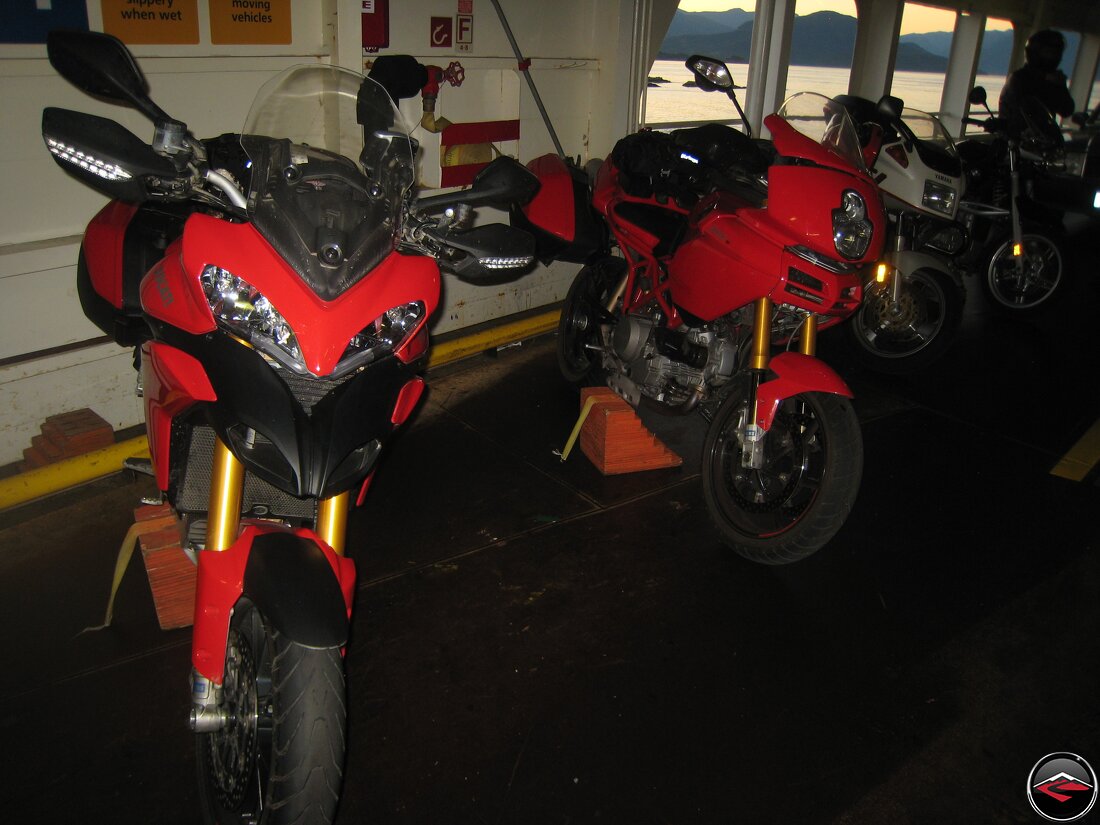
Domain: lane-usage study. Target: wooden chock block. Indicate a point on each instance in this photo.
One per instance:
(171, 573)
(616, 441)
(77, 432)
(67, 435)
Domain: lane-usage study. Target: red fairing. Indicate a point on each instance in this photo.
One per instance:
(791, 143)
(801, 200)
(734, 257)
(552, 208)
(737, 252)
(407, 400)
(103, 240)
(219, 586)
(173, 294)
(172, 381)
(323, 328)
(796, 373)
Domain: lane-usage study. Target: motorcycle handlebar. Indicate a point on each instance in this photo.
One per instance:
(991, 124)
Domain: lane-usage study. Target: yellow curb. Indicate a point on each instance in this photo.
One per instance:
(70, 472)
(468, 345)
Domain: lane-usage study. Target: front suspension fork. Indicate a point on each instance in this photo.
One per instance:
(752, 455)
(222, 527)
(227, 491)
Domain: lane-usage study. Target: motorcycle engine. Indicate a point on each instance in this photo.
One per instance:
(668, 365)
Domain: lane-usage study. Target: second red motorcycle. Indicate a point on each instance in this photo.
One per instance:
(727, 248)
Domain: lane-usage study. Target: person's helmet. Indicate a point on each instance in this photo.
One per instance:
(1044, 49)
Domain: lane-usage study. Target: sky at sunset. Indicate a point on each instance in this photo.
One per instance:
(916, 18)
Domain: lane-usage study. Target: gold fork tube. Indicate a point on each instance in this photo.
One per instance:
(761, 335)
(226, 488)
(332, 521)
(807, 341)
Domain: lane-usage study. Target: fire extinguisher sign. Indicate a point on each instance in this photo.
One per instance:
(376, 25)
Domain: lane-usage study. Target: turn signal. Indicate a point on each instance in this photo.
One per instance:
(880, 273)
(1016, 250)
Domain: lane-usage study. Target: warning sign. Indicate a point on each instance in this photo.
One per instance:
(152, 21)
(250, 22)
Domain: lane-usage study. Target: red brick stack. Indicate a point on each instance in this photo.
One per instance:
(616, 441)
(67, 435)
(171, 574)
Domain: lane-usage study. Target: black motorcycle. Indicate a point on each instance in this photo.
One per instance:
(1014, 204)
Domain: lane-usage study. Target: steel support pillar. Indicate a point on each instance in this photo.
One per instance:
(876, 47)
(962, 66)
(769, 56)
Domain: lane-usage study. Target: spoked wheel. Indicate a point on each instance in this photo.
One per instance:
(1020, 289)
(903, 336)
(280, 757)
(796, 502)
(584, 309)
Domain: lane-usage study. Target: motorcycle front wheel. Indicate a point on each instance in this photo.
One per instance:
(903, 336)
(1022, 289)
(790, 507)
(584, 310)
(280, 757)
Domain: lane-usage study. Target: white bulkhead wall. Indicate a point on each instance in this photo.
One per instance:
(585, 58)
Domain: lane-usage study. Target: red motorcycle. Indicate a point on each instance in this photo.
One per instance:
(726, 247)
(277, 286)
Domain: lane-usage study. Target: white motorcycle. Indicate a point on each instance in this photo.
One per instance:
(912, 309)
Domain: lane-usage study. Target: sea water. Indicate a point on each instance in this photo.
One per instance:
(672, 102)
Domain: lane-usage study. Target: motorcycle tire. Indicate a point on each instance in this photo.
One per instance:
(582, 313)
(903, 338)
(1042, 280)
(280, 757)
(791, 507)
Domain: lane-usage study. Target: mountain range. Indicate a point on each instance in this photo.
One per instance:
(826, 38)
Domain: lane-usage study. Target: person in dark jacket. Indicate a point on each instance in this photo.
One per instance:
(1039, 77)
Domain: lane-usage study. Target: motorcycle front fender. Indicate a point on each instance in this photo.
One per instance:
(296, 581)
(795, 374)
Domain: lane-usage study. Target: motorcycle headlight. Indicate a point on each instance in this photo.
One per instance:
(239, 306)
(383, 336)
(939, 198)
(851, 229)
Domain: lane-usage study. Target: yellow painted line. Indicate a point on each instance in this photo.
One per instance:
(1082, 456)
(468, 345)
(70, 472)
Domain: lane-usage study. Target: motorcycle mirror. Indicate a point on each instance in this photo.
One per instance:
(503, 182)
(710, 74)
(891, 106)
(399, 74)
(506, 181)
(977, 96)
(101, 65)
(493, 253)
(104, 155)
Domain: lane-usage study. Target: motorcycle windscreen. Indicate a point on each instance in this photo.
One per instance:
(826, 123)
(331, 166)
